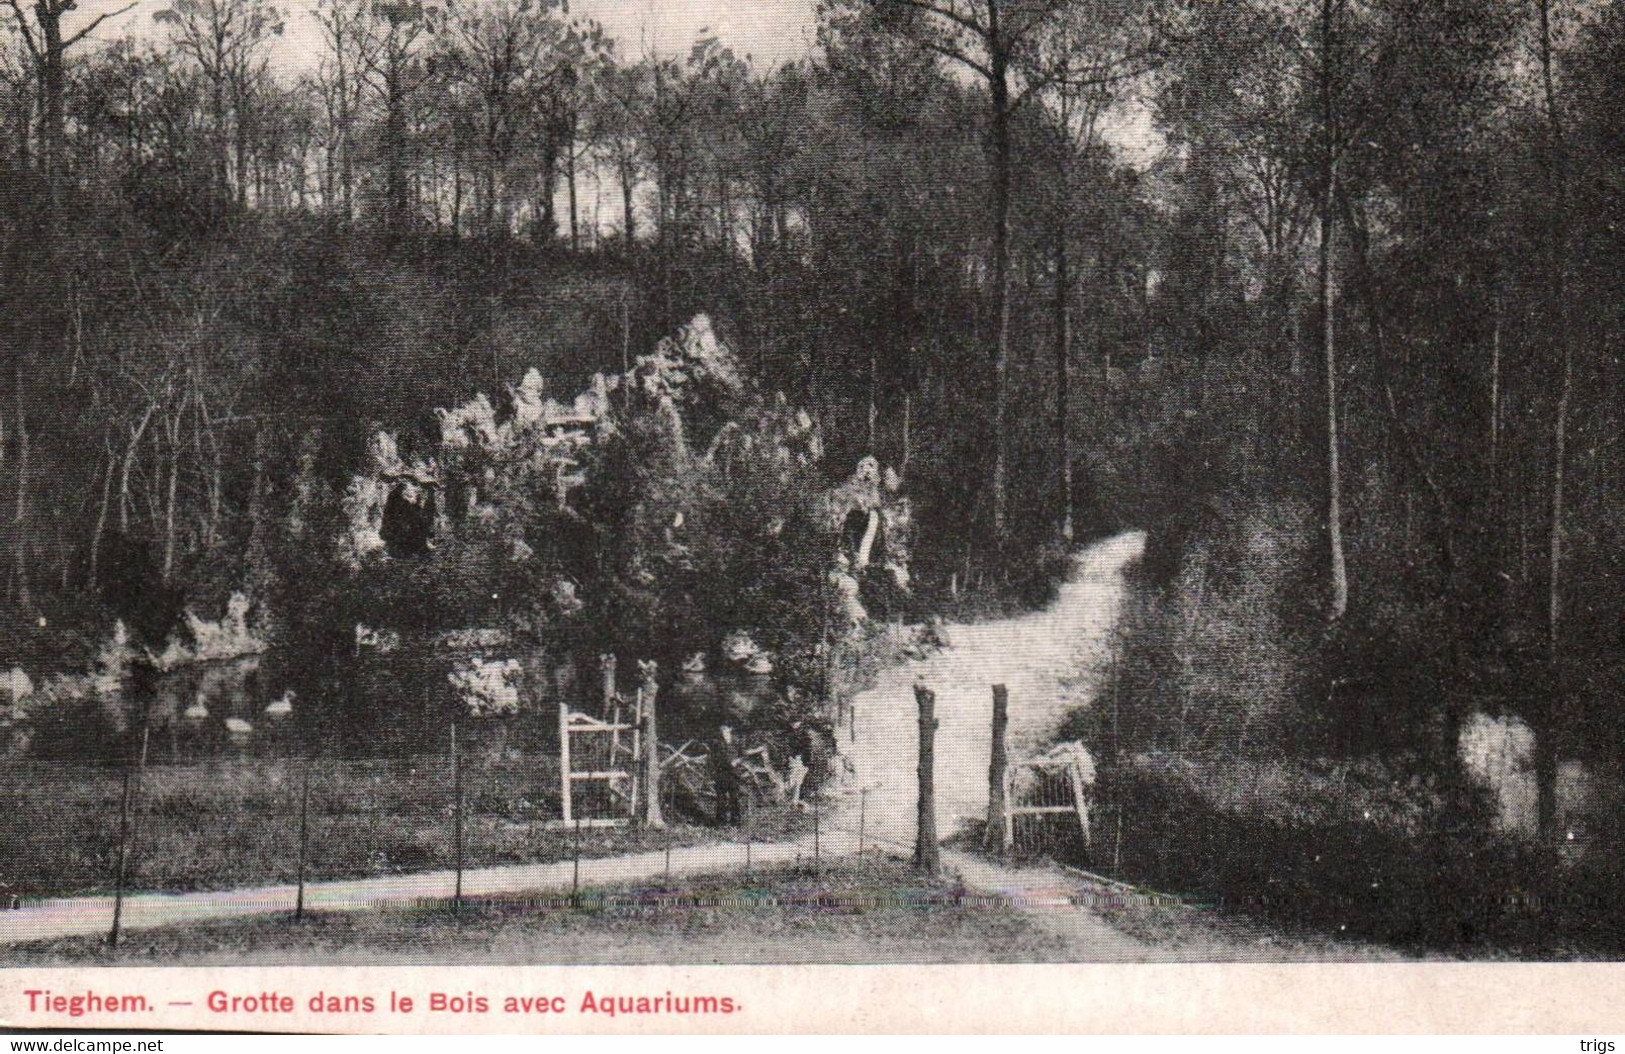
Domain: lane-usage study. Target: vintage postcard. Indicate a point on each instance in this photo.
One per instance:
(811, 515)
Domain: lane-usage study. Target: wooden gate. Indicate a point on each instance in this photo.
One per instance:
(600, 757)
(1046, 787)
(1052, 786)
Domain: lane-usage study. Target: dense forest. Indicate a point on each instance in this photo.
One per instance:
(1322, 293)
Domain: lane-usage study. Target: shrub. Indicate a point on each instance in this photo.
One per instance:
(1219, 658)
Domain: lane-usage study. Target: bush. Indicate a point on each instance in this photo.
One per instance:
(1220, 658)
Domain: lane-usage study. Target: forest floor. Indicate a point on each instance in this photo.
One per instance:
(1048, 660)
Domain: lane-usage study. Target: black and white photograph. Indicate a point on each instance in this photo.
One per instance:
(662, 483)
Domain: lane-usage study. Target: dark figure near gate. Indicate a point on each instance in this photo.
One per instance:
(863, 541)
(724, 777)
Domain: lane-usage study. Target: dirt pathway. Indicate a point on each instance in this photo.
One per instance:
(1030, 654)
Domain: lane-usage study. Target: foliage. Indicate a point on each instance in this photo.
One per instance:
(1355, 849)
(1217, 661)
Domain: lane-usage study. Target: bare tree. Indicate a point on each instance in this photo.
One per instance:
(1330, 151)
(48, 45)
(619, 116)
(19, 81)
(506, 54)
(225, 39)
(339, 76)
(1081, 65)
(996, 40)
(398, 70)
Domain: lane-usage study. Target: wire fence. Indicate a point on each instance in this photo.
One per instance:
(83, 828)
(223, 824)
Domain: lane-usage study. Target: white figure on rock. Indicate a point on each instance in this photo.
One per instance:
(487, 687)
(16, 685)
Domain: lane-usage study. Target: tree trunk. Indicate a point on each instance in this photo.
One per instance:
(216, 487)
(488, 162)
(1499, 547)
(570, 178)
(395, 147)
(52, 79)
(346, 150)
(1001, 273)
(1063, 346)
(1334, 484)
(136, 435)
(456, 197)
(1558, 176)
(1495, 393)
(222, 148)
(24, 131)
(256, 493)
(329, 178)
(24, 597)
(547, 221)
(630, 221)
(240, 141)
(101, 516)
(49, 57)
(52, 134)
(1334, 481)
(169, 499)
(874, 385)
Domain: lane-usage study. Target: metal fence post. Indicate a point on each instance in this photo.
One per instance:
(457, 806)
(304, 835)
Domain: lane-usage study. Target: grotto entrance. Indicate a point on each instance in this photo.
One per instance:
(408, 522)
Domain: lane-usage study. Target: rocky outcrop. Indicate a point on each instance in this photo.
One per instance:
(230, 637)
(487, 687)
(691, 365)
(15, 686)
(111, 662)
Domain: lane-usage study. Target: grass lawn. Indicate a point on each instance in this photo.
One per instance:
(852, 911)
(236, 823)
